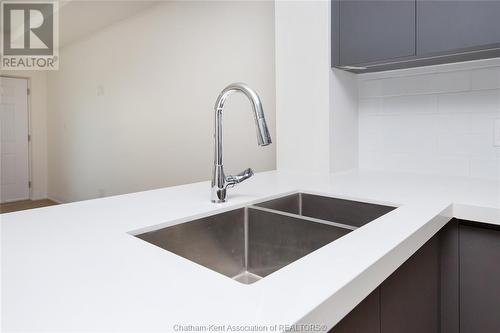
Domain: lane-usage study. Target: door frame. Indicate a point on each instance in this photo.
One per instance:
(30, 148)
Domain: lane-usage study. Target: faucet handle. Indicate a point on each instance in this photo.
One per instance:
(233, 180)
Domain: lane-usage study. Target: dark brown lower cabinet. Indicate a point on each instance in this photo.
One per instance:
(449, 248)
(365, 318)
(479, 279)
(450, 285)
(409, 298)
(407, 301)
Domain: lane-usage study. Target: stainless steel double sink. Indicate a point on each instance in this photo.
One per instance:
(249, 243)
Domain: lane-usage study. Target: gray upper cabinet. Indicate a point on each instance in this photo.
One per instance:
(375, 30)
(451, 25)
(377, 35)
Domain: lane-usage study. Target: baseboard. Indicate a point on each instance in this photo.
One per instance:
(38, 197)
(14, 200)
(56, 200)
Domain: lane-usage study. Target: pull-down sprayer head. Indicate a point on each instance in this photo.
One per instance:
(263, 136)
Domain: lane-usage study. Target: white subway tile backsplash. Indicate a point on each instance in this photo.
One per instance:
(450, 166)
(450, 82)
(398, 86)
(485, 78)
(410, 133)
(454, 123)
(470, 144)
(396, 134)
(456, 144)
(433, 123)
(370, 105)
(370, 131)
(485, 168)
(370, 88)
(413, 163)
(470, 101)
(434, 83)
(408, 163)
(412, 104)
(373, 160)
(484, 123)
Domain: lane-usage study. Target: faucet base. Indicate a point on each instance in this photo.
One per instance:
(219, 194)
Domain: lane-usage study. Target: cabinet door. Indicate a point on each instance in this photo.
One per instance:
(449, 255)
(446, 25)
(365, 318)
(374, 30)
(409, 298)
(479, 279)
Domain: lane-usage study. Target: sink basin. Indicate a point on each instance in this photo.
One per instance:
(340, 211)
(245, 244)
(249, 243)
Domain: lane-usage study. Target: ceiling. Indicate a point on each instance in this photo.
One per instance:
(80, 18)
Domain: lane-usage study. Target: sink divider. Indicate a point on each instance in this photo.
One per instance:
(300, 204)
(306, 218)
(245, 228)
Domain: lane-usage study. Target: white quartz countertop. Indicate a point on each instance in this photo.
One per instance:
(77, 267)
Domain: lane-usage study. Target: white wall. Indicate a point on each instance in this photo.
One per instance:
(437, 120)
(38, 125)
(302, 85)
(316, 107)
(343, 121)
(131, 107)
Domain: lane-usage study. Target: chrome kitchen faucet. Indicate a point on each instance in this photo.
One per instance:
(220, 182)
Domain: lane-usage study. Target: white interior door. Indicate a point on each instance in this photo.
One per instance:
(14, 166)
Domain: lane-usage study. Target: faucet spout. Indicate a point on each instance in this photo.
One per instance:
(219, 180)
(263, 136)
